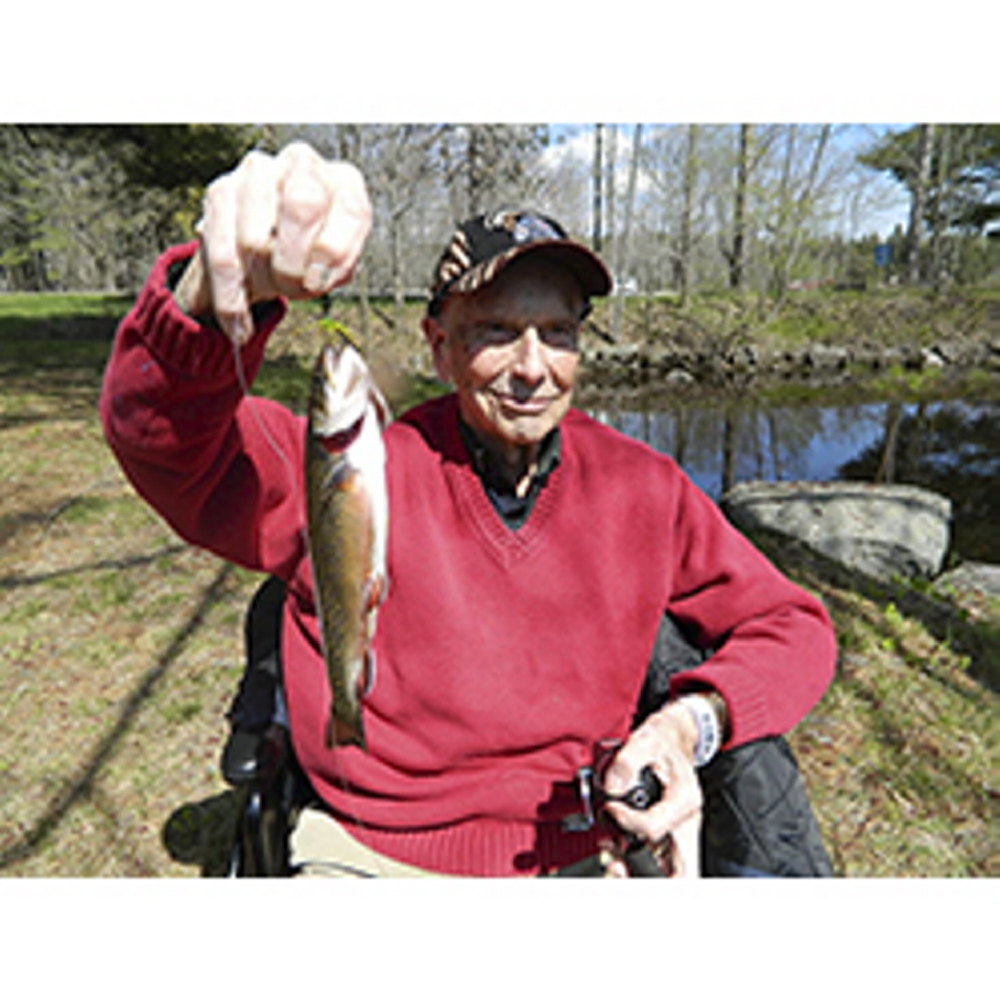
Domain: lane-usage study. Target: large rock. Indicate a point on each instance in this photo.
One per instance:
(981, 578)
(881, 530)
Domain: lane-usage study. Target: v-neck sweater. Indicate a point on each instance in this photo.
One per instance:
(501, 657)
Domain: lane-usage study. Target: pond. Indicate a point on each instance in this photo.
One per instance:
(946, 444)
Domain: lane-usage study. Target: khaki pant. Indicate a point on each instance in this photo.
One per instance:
(320, 846)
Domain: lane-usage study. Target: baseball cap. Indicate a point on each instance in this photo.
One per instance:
(483, 246)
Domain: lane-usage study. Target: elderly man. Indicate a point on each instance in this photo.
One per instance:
(533, 552)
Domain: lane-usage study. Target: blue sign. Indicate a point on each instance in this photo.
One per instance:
(883, 254)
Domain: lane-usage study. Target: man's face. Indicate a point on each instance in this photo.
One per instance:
(510, 350)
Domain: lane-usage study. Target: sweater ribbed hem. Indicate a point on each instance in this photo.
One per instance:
(488, 848)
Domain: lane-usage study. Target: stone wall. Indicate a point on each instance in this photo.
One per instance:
(637, 364)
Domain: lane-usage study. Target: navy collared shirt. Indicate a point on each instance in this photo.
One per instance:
(513, 510)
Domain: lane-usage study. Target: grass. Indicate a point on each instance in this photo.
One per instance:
(884, 316)
(900, 754)
(121, 648)
(45, 306)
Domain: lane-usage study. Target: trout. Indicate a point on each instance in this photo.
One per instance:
(348, 523)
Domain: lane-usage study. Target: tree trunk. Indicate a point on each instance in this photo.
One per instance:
(736, 257)
(941, 272)
(598, 183)
(683, 267)
(609, 189)
(803, 203)
(474, 158)
(623, 246)
(921, 180)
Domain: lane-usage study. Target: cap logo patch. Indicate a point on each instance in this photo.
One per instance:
(481, 247)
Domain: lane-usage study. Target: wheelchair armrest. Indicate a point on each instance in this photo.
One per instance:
(258, 742)
(239, 757)
(254, 756)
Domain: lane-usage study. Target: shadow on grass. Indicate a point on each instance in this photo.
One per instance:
(63, 321)
(43, 379)
(18, 580)
(82, 786)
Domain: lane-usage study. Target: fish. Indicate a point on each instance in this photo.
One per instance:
(347, 527)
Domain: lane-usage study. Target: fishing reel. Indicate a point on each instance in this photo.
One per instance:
(640, 857)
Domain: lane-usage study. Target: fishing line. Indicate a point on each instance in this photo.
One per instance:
(241, 378)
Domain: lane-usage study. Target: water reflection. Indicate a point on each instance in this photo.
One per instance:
(950, 446)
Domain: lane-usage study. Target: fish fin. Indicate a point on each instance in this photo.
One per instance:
(376, 591)
(366, 681)
(382, 409)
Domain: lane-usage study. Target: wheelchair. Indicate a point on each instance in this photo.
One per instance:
(257, 759)
(756, 821)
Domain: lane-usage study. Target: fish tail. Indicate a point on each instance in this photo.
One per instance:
(340, 733)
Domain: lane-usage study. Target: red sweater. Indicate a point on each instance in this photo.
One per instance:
(501, 656)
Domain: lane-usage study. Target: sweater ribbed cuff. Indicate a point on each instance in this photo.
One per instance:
(746, 699)
(186, 345)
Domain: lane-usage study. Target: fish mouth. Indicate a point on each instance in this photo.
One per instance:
(341, 392)
(344, 372)
(340, 440)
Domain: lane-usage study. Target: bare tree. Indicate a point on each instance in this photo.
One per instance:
(598, 188)
(793, 205)
(623, 244)
(939, 269)
(401, 174)
(917, 204)
(488, 164)
(735, 252)
(682, 268)
(610, 187)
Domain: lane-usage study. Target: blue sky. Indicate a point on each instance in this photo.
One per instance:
(888, 198)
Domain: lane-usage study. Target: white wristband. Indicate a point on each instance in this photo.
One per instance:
(707, 723)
